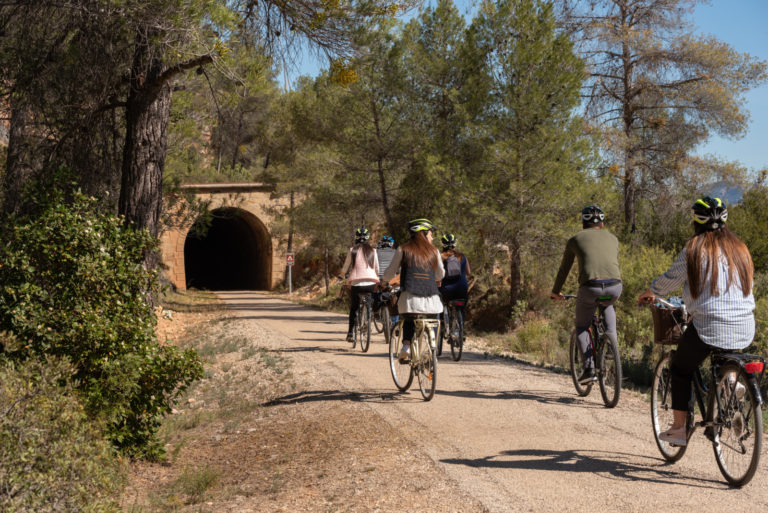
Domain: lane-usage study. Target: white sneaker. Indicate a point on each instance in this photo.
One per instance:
(739, 389)
(405, 353)
(674, 436)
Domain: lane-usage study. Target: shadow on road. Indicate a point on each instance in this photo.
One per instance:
(342, 395)
(600, 463)
(542, 396)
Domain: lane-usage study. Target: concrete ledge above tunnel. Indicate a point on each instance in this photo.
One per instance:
(234, 253)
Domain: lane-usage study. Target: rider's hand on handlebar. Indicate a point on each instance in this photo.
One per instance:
(645, 298)
(557, 297)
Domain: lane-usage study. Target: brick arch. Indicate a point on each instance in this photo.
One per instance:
(242, 219)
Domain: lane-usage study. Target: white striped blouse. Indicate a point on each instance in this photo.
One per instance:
(726, 320)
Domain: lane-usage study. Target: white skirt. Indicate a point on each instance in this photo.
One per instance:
(419, 304)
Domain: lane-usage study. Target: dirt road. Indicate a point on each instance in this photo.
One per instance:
(513, 437)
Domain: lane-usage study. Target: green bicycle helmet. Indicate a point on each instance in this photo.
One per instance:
(449, 241)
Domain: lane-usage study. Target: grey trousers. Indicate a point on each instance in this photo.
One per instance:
(586, 302)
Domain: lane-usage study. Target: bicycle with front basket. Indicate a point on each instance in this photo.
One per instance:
(423, 358)
(729, 403)
(605, 353)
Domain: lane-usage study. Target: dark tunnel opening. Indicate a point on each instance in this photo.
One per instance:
(234, 253)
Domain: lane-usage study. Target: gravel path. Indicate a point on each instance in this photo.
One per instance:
(510, 436)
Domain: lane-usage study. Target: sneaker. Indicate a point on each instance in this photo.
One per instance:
(739, 390)
(405, 354)
(350, 337)
(674, 436)
(587, 377)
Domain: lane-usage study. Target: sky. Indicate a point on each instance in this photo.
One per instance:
(741, 23)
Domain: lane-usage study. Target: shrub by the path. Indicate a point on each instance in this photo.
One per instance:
(72, 284)
(53, 457)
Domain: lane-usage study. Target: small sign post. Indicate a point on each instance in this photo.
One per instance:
(289, 263)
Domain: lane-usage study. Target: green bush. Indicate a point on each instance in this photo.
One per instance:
(54, 458)
(72, 284)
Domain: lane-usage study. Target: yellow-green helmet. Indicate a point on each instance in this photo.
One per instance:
(710, 212)
(448, 240)
(420, 225)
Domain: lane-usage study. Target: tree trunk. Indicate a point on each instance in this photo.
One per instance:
(147, 113)
(515, 278)
(385, 199)
(380, 170)
(630, 192)
(327, 275)
(18, 170)
(290, 231)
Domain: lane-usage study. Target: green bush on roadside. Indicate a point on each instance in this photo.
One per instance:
(72, 284)
(53, 456)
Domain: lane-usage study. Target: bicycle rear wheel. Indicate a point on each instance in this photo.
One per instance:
(609, 372)
(456, 335)
(358, 327)
(426, 367)
(661, 408)
(378, 319)
(576, 366)
(365, 339)
(402, 373)
(739, 427)
(386, 320)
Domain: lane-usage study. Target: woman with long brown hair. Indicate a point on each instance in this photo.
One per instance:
(716, 272)
(420, 268)
(363, 265)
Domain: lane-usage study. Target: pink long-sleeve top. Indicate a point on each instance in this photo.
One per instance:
(361, 274)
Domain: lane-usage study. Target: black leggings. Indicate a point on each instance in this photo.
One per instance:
(689, 354)
(409, 327)
(355, 302)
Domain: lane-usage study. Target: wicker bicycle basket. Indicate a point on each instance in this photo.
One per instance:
(668, 325)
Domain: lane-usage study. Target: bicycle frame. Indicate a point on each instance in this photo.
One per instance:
(702, 393)
(421, 324)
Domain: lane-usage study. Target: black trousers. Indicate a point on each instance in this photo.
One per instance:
(355, 292)
(691, 351)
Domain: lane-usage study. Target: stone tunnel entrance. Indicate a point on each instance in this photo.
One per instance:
(235, 253)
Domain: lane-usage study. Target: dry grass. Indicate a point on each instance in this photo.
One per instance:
(251, 438)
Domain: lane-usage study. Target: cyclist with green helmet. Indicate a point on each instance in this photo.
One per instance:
(418, 263)
(716, 272)
(363, 265)
(597, 252)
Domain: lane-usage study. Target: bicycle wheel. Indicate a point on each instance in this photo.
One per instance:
(576, 367)
(661, 408)
(365, 339)
(358, 327)
(378, 319)
(456, 335)
(739, 427)
(386, 321)
(442, 330)
(609, 372)
(402, 373)
(426, 367)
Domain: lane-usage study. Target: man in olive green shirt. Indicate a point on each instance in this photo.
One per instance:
(597, 252)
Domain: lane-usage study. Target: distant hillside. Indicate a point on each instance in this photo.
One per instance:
(731, 194)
